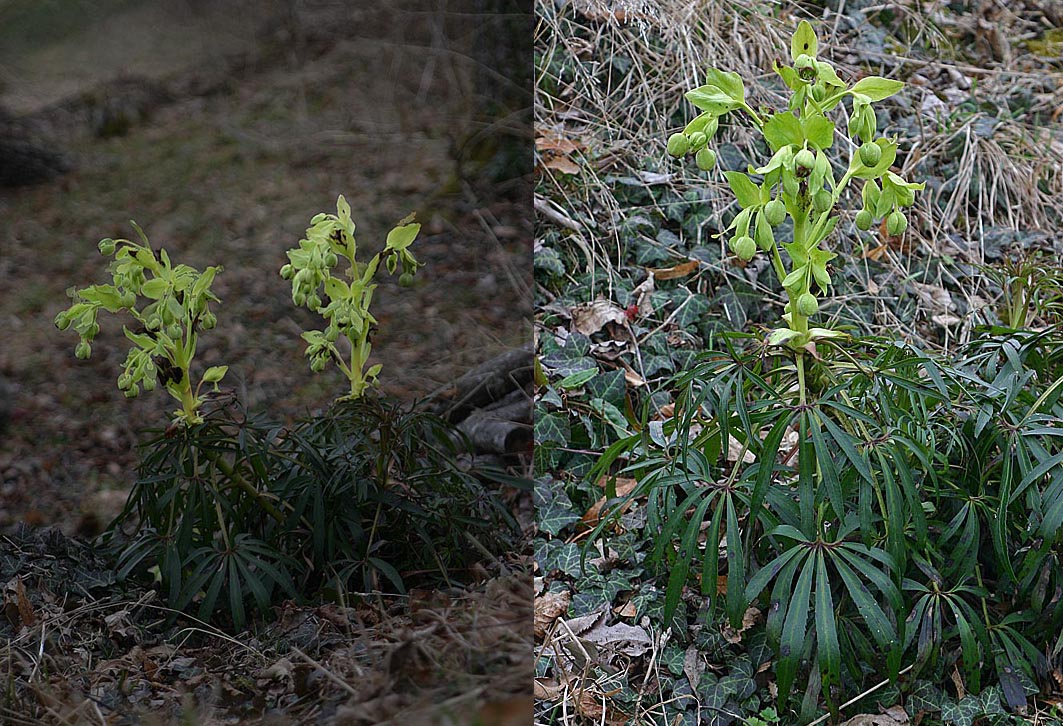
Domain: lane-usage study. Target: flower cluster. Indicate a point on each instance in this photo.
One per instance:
(170, 303)
(799, 179)
(312, 270)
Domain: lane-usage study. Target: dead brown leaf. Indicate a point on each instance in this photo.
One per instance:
(549, 607)
(681, 270)
(562, 164)
(751, 617)
(624, 486)
(589, 318)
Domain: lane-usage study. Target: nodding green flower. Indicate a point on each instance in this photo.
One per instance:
(896, 223)
(706, 159)
(170, 304)
(678, 144)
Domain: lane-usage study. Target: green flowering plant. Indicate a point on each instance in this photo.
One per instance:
(170, 303)
(312, 269)
(799, 180)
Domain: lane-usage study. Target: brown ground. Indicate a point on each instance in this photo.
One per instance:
(235, 141)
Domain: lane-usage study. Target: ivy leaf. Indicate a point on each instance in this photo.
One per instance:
(782, 129)
(804, 41)
(575, 380)
(746, 192)
(552, 427)
(876, 88)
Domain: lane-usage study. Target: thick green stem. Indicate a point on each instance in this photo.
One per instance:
(236, 478)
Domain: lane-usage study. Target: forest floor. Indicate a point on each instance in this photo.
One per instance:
(222, 145)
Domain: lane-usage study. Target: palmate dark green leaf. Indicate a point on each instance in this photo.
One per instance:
(736, 566)
(847, 444)
(828, 473)
(878, 623)
(795, 628)
(680, 570)
(766, 463)
(827, 646)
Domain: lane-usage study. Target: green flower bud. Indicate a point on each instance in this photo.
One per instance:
(819, 92)
(864, 219)
(805, 65)
(83, 350)
(807, 304)
(62, 320)
(317, 365)
(764, 237)
(698, 140)
(896, 223)
(174, 331)
(775, 212)
(313, 302)
(208, 321)
(870, 153)
(744, 248)
(299, 297)
(127, 299)
(124, 381)
(678, 145)
(790, 185)
(706, 159)
(106, 247)
(287, 272)
(132, 392)
(332, 334)
(154, 322)
(854, 125)
(149, 383)
(822, 200)
(406, 279)
(331, 259)
(805, 159)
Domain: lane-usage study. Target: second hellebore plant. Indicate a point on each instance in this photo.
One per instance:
(311, 267)
(799, 181)
(170, 303)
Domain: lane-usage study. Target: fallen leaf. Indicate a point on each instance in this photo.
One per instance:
(589, 318)
(628, 610)
(562, 164)
(549, 607)
(946, 320)
(693, 666)
(609, 350)
(624, 486)
(546, 689)
(936, 298)
(514, 711)
(751, 617)
(681, 270)
(557, 144)
(631, 640)
(25, 608)
(632, 378)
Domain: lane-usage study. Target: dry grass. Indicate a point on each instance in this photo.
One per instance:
(1009, 178)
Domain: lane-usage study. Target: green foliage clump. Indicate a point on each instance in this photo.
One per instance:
(365, 497)
(229, 510)
(897, 509)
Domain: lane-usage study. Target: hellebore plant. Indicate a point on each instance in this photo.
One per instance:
(171, 304)
(312, 271)
(799, 181)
